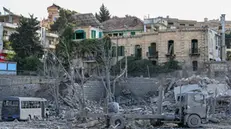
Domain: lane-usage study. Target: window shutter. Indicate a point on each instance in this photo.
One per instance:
(150, 51)
(100, 34)
(122, 51)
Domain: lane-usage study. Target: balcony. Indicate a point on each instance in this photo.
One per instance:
(153, 55)
(89, 59)
(6, 38)
(170, 55)
(194, 52)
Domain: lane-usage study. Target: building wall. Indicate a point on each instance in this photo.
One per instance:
(53, 14)
(182, 44)
(98, 30)
(88, 29)
(124, 32)
(13, 19)
(213, 45)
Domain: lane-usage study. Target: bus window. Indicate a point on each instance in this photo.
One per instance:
(181, 98)
(10, 103)
(31, 104)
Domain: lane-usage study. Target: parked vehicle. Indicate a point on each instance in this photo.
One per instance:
(24, 108)
(191, 112)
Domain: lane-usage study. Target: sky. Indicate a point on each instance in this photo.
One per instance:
(181, 9)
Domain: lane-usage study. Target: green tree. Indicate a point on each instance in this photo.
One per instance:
(103, 15)
(63, 21)
(65, 48)
(25, 43)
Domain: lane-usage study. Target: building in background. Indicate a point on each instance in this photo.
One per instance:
(161, 23)
(53, 15)
(186, 41)
(88, 27)
(6, 29)
(125, 26)
(8, 17)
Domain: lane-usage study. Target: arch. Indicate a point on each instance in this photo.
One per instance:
(138, 51)
(80, 34)
(152, 49)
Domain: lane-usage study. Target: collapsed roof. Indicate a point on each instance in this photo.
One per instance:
(125, 23)
(87, 19)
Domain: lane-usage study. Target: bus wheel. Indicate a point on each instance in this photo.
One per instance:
(194, 121)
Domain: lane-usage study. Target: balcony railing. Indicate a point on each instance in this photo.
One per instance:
(153, 55)
(194, 52)
(170, 55)
(6, 38)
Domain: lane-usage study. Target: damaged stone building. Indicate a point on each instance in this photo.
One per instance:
(88, 27)
(161, 39)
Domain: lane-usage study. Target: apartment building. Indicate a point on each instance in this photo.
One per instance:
(123, 26)
(190, 42)
(6, 29)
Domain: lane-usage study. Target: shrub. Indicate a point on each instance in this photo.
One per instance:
(140, 67)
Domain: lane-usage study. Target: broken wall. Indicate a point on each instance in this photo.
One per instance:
(217, 69)
(138, 86)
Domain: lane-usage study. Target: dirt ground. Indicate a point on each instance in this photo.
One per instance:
(64, 125)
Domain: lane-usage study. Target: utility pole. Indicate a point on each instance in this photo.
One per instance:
(223, 46)
(126, 54)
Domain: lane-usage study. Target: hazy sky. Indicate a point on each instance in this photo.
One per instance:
(182, 9)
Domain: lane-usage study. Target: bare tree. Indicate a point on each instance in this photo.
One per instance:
(73, 77)
(106, 58)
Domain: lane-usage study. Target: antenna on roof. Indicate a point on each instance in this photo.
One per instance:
(7, 11)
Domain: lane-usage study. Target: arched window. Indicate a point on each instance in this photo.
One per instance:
(80, 34)
(171, 47)
(152, 50)
(138, 51)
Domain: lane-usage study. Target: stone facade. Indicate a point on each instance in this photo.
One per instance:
(182, 39)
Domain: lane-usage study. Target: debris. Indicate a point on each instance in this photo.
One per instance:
(113, 107)
(88, 124)
(214, 120)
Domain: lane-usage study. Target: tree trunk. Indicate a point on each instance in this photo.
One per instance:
(108, 83)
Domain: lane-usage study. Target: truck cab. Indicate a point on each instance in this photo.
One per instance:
(191, 109)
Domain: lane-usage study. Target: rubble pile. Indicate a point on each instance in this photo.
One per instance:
(196, 80)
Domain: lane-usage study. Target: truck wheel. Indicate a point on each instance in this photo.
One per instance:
(194, 121)
(117, 121)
